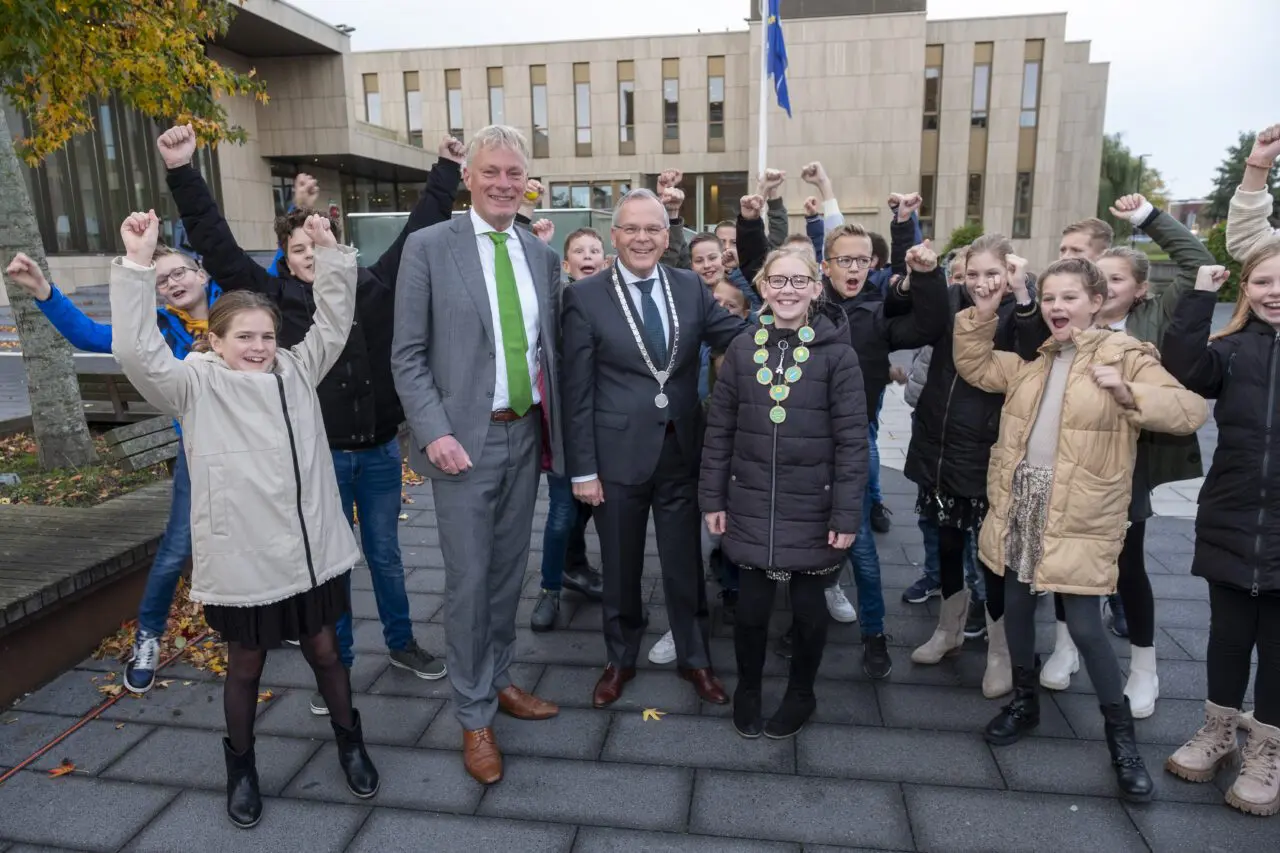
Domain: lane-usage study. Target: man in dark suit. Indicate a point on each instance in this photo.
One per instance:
(632, 335)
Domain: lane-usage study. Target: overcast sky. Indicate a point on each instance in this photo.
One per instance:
(1180, 69)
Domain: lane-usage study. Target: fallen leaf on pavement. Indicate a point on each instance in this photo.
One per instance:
(119, 726)
(404, 516)
(164, 683)
(265, 696)
(111, 689)
(62, 769)
(652, 714)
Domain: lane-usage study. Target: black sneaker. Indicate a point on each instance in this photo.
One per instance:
(880, 518)
(585, 581)
(976, 624)
(545, 611)
(418, 661)
(921, 591)
(876, 662)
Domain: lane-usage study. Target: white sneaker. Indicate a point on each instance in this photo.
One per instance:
(1062, 664)
(838, 605)
(663, 651)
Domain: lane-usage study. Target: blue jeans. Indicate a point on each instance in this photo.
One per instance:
(171, 556)
(369, 480)
(564, 537)
(873, 470)
(866, 574)
(972, 576)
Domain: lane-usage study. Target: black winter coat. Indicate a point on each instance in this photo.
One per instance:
(955, 424)
(358, 396)
(786, 486)
(1238, 520)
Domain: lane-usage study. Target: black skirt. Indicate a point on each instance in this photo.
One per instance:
(266, 626)
(946, 510)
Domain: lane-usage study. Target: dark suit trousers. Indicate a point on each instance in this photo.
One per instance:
(672, 495)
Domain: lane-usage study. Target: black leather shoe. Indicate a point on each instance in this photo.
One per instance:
(362, 777)
(244, 803)
(1019, 716)
(585, 581)
(746, 712)
(545, 611)
(792, 714)
(1131, 774)
(880, 518)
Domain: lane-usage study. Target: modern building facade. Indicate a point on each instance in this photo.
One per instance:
(996, 120)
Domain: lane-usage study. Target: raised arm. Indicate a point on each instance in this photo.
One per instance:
(815, 174)
(753, 244)
(335, 294)
(672, 198)
(814, 227)
(1183, 247)
(163, 380)
(977, 360)
(904, 231)
(1187, 353)
(1247, 218)
(848, 404)
(73, 324)
(926, 322)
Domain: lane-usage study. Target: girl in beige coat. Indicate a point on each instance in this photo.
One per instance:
(1059, 482)
(269, 539)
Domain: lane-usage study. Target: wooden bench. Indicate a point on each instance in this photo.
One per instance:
(124, 403)
(143, 444)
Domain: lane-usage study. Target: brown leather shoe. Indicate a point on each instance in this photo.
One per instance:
(525, 706)
(707, 685)
(481, 757)
(609, 687)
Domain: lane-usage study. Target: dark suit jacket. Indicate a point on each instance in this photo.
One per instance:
(613, 428)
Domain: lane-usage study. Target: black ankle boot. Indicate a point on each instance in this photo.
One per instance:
(798, 703)
(746, 712)
(362, 777)
(1022, 714)
(795, 710)
(244, 803)
(1131, 774)
(750, 645)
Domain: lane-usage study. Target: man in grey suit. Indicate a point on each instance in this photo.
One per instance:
(475, 363)
(632, 335)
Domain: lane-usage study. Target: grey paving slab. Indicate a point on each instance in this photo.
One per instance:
(421, 605)
(895, 755)
(1183, 828)
(1174, 721)
(197, 822)
(1164, 586)
(95, 746)
(22, 733)
(385, 719)
(367, 638)
(959, 820)
(811, 811)
(195, 705)
(426, 581)
(76, 811)
(188, 758)
(72, 694)
(420, 559)
(700, 742)
(598, 794)
(1193, 641)
(838, 701)
(909, 706)
(398, 682)
(594, 839)
(410, 778)
(288, 667)
(573, 733)
(391, 830)
(571, 686)
(33, 848)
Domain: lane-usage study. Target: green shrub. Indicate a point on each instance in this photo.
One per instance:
(1217, 246)
(963, 236)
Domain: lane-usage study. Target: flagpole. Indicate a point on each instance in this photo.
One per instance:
(762, 162)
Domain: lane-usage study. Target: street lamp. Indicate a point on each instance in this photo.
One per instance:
(1142, 160)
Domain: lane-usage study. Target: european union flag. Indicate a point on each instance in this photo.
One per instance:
(777, 58)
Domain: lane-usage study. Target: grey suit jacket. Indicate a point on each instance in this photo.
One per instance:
(443, 351)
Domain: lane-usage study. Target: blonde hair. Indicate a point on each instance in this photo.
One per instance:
(1265, 251)
(228, 307)
(1090, 277)
(849, 229)
(807, 258)
(1097, 230)
(1139, 263)
(992, 244)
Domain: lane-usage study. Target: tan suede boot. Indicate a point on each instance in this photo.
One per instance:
(998, 678)
(1257, 788)
(948, 637)
(1212, 748)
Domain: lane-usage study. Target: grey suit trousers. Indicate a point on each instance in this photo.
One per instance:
(485, 519)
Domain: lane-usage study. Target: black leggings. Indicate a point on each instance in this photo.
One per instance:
(810, 620)
(1134, 588)
(1239, 623)
(244, 671)
(951, 543)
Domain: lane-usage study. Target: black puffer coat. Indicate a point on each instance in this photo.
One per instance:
(786, 486)
(1238, 521)
(955, 424)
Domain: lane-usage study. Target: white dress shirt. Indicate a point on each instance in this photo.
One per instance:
(528, 306)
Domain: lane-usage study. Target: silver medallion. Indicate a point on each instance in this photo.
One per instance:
(661, 400)
(660, 376)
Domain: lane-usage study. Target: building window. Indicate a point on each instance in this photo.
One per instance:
(497, 111)
(413, 107)
(1031, 84)
(981, 85)
(597, 195)
(932, 85)
(582, 110)
(626, 107)
(973, 198)
(670, 106)
(1022, 206)
(372, 100)
(538, 91)
(715, 103)
(926, 205)
(282, 175)
(453, 96)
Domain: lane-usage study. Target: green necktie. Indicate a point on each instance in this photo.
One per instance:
(515, 346)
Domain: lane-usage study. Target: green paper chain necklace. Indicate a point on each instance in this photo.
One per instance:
(778, 392)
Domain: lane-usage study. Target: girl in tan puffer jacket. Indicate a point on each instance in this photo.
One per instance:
(1059, 482)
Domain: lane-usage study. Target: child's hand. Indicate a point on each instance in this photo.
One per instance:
(840, 541)
(715, 523)
(751, 206)
(1211, 277)
(139, 233)
(544, 230)
(320, 231)
(1109, 379)
(1017, 267)
(306, 191)
(986, 298)
(27, 275)
(811, 206)
(922, 258)
(898, 375)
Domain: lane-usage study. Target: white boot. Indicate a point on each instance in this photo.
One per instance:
(1257, 788)
(948, 637)
(1062, 664)
(998, 678)
(1143, 686)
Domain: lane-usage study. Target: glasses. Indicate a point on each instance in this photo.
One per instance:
(165, 282)
(654, 231)
(799, 282)
(846, 261)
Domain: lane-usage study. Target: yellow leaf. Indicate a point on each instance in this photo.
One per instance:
(652, 714)
(119, 726)
(165, 683)
(265, 696)
(62, 769)
(111, 689)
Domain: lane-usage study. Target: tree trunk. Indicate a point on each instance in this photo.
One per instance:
(57, 415)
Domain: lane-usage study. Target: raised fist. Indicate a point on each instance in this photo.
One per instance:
(139, 232)
(669, 178)
(986, 298)
(1266, 148)
(1127, 204)
(672, 198)
(451, 149)
(544, 230)
(1017, 268)
(306, 191)
(177, 146)
(771, 180)
(813, 173)
(1210, 278)
(922, 258)
(751, 206)
(320, 231)
(812, 207)
(1109, 379)
(27, 275)
(910, 203)
(895, 199)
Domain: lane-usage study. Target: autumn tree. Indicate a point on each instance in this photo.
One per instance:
(54, 55)
(1123, 173)
(1230, 173)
